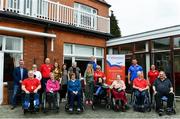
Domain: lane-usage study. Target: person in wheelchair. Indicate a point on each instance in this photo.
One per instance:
(141, 87)
(100, 88)
(163, 87)
(74, 91)
(31, 86)
(52, 88)
(118, 92)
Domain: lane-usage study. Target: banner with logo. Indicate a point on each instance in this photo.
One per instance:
(115, 64)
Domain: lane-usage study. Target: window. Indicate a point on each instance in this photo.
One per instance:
(126, 48)
(85, 16)
(84, 50)
(99, 52)
(13, 43)
(161, 44)
(140, 46)
(177, 42)
(67, 49)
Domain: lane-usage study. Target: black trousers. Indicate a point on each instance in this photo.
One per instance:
(158, 100)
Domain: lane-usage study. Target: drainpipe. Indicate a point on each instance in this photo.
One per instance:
(46, 41)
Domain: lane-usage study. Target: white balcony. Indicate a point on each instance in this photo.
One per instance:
(56, 12)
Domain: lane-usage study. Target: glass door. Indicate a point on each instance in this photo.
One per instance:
(177, 72)
(1, 76)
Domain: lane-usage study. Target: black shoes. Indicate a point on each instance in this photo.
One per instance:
(13, 107)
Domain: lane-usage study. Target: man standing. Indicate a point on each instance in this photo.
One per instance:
(45, 71)
(19, 74)
(93, 62)
(132, 73)
(76, 70)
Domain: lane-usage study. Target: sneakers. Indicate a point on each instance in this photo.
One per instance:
(71, 109)
(13, 107)
(78, 109)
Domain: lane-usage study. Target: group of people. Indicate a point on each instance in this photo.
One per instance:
(157, 84)
(54, 79)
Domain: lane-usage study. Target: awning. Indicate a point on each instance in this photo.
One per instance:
(23, 31)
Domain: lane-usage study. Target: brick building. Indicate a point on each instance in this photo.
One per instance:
(63, 30)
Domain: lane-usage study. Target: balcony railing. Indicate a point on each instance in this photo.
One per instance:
(56, 12)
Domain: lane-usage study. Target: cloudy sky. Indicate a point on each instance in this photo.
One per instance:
(135, 16)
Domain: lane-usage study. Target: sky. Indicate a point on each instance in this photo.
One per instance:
(136, 16)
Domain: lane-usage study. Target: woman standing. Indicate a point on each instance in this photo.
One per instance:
(37, 74)
(56, 71)
(64, 81)
(89, 83)
(152, 76)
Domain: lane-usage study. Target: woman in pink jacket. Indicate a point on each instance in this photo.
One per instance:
(52, 88)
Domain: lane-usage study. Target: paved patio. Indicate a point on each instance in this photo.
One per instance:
(6, 112)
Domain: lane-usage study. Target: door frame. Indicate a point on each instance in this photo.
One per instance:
(1, 75)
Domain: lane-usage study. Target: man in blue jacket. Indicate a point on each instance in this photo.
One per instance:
(19, 74)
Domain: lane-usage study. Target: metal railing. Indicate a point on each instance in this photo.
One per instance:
(56, 12)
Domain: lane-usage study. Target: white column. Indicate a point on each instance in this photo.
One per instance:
(1, 4)
(147, 59)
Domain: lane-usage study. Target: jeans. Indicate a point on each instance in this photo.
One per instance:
(27, 100)
(140, 96)
(16, 90)
(72, 97)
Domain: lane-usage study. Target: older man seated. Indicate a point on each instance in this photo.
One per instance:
(30, 86)
(163, 87)
(140, 86)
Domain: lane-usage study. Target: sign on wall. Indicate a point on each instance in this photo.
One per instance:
(115, 64)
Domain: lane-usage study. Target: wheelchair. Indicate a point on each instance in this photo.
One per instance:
(54, 104)
(116, 103)
(67, 105)
(103, 98)
(164, 100)
(146, 107)
(30, 106)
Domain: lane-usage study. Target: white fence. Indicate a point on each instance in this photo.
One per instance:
(56, 12)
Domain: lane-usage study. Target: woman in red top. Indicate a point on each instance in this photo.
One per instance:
(152, 76)
(99, 74)
(140, 85)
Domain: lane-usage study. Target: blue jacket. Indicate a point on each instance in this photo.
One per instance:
(17, 75)
(74, 86)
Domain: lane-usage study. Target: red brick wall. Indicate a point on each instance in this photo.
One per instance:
(33, 46)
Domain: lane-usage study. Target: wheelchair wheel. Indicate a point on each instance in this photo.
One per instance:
(67, 107)
(44, 102)
(108, 106)
(25, 111)
(58, 100)
(93, 107)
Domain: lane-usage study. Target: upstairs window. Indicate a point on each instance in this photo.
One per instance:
(85, 16)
